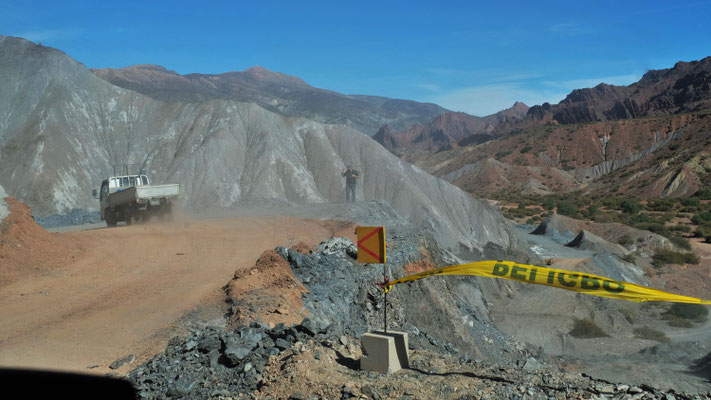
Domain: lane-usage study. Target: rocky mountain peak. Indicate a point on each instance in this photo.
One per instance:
(150, 67)
(451, 117)
(260, 74)
(519, 105)
(452, 129)
(518, 110)
(601, 92)
(385, 137)
(684, 88)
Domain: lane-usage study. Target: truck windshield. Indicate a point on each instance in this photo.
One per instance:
(144, 179)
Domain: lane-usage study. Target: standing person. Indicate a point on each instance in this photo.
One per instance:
(351, 176)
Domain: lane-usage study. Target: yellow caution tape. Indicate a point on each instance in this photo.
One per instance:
(563, 279)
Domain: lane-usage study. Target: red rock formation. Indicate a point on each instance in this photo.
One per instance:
(451, 130)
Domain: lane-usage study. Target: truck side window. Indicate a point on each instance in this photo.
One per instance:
(124, 181)
(132, 181)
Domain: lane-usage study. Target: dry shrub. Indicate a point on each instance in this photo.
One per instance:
(587, 329)
(646, 332)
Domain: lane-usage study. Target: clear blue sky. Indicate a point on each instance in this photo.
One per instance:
(477, 58)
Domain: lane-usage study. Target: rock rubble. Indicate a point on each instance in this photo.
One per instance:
(319, 357)
(214, 362)
(73, 218)
(312, 361)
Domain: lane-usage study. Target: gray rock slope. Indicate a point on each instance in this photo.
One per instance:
(62, 129)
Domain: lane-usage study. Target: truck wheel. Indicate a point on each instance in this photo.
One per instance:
(110, 220)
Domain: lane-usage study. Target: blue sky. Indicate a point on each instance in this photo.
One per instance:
(477, 58)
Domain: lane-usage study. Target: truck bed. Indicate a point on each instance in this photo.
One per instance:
(144, 192)
(148, 192)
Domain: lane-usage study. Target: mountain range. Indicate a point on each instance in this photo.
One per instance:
(681, 89)
(273, 91)
(648, 139)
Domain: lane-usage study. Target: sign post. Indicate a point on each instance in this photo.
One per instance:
(371, 249)
(382, 351)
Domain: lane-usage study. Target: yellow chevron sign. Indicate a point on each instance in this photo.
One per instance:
(371, 244)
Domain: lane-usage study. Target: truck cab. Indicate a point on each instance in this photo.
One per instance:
(116, 184)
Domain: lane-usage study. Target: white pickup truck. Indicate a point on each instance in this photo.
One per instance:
(132, 198)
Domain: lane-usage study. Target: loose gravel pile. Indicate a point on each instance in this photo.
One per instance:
(73, 218)
(213, 362)
(444, 314)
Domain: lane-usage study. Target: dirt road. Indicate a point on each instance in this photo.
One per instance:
(126, 288)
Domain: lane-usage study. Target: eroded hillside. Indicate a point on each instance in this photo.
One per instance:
(64, 129)
(648, 139)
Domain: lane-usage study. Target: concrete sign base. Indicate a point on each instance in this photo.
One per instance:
(384, 352)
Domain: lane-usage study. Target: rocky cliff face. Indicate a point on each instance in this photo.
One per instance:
(385, 137)
(63, 129)
(450, 130)
(647, 157)
(684, 88)
(651, 134)
(274, 91)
